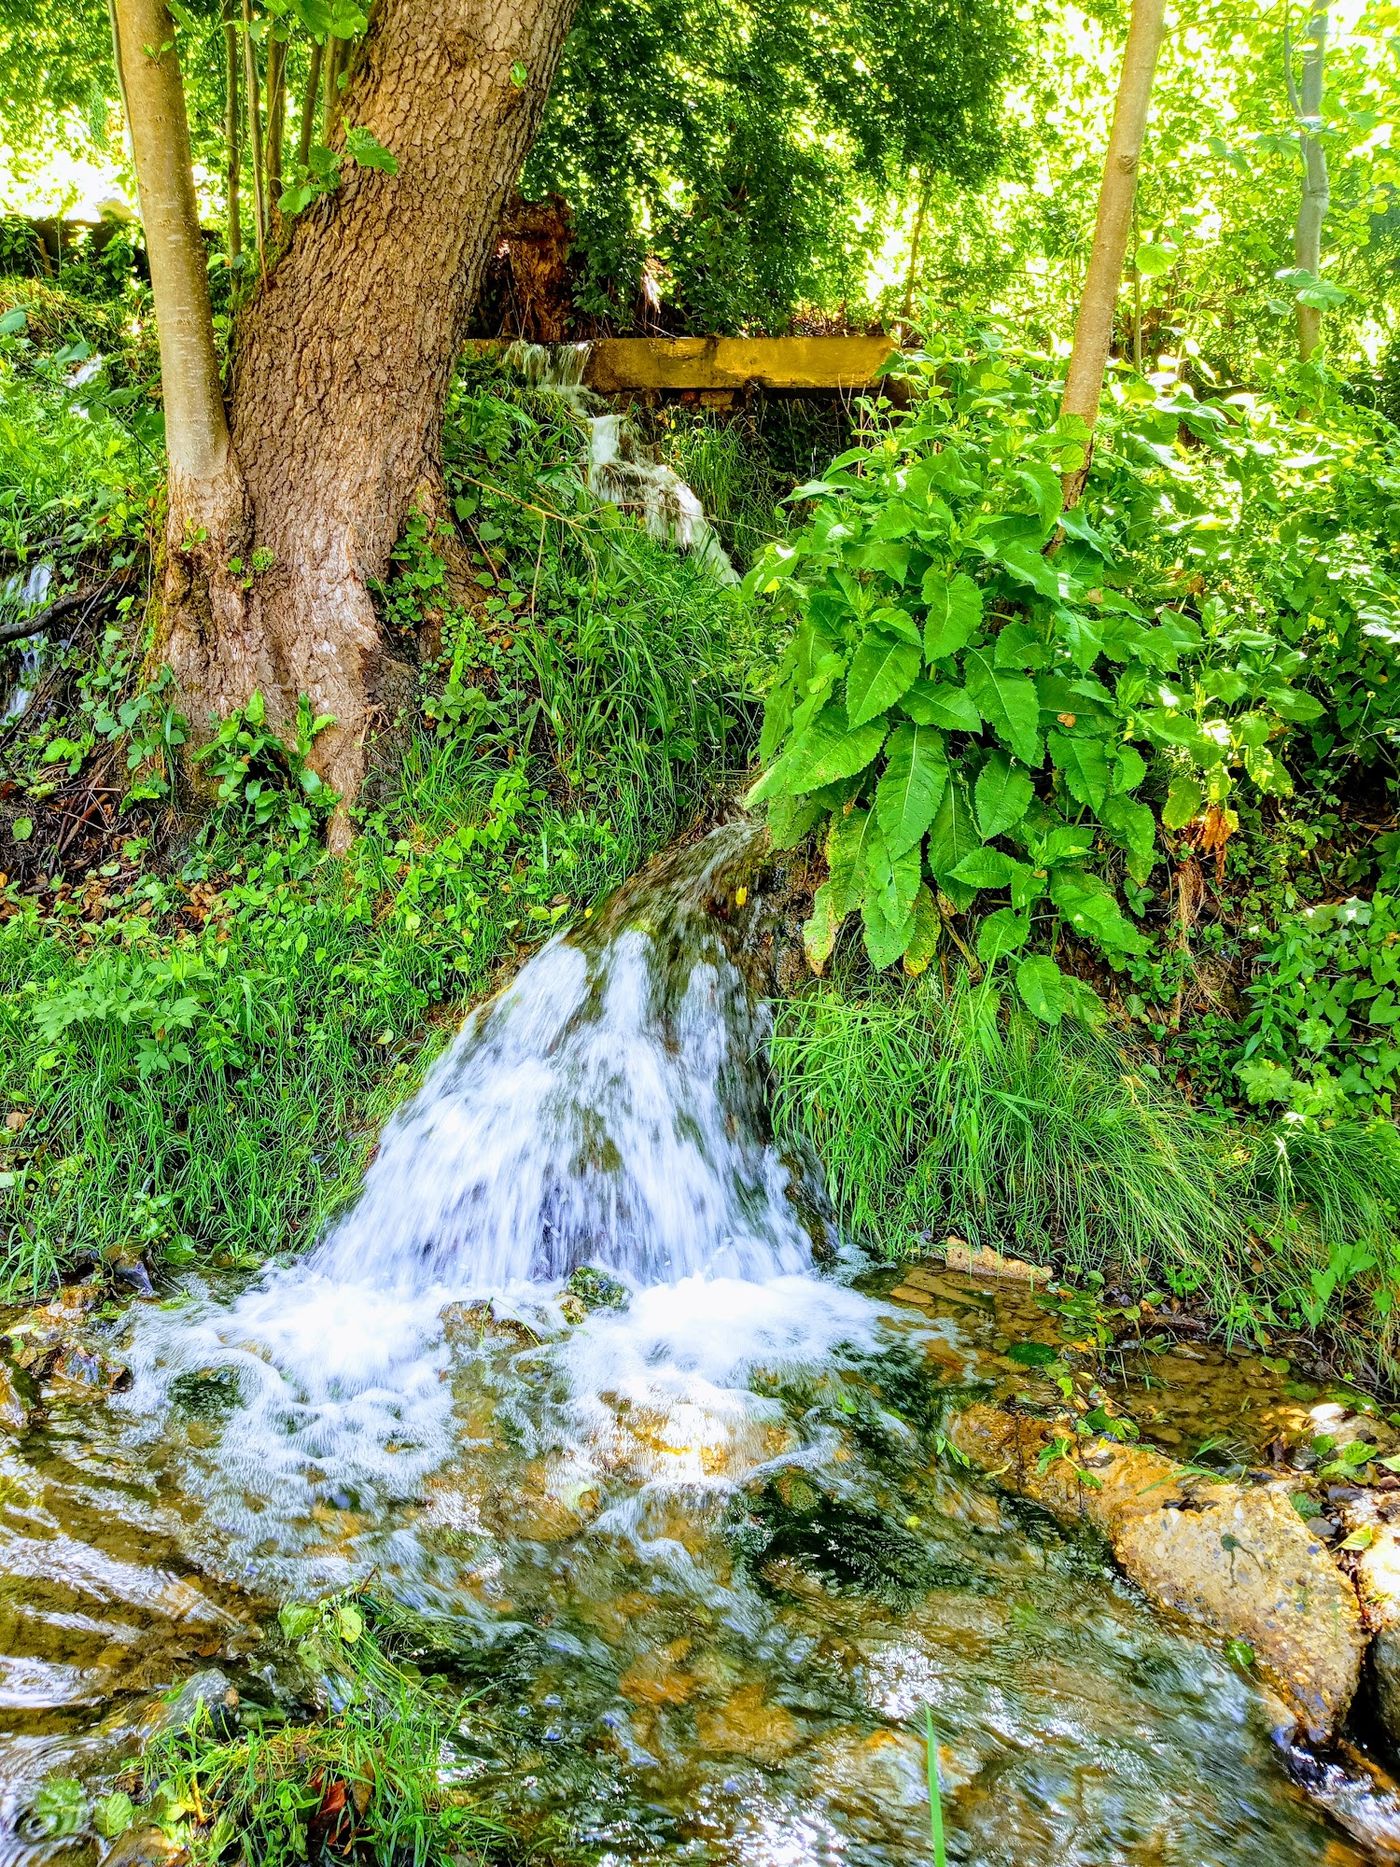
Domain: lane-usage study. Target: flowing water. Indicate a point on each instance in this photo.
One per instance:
(620, 467)
(693, 1550)
(26, 592)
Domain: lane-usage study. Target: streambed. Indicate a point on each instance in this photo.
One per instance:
(694, 1554)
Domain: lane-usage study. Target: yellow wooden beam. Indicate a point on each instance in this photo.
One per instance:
(617, 365)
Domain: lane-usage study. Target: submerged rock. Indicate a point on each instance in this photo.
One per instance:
(1238, 1561)
(1378, 1580)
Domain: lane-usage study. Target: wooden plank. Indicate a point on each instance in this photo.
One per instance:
(677, 363)
(668, 365)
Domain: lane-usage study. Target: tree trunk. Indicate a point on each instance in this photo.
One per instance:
(207, 513)
(1317, 194)
(1093, 331)
(254, 120)
(306, 129)
(235, 229)
(276, 122)
(342, 366)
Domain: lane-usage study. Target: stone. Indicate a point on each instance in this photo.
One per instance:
(748, 1725)
(14, 1409)
(146, 1847)
(1378, 1582)
(1237, 1560)
(983, 1261)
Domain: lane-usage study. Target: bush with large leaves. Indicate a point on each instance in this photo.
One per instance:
(988, 701)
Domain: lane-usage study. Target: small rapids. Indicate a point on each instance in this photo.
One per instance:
(620, 469)
(572, 1382)
(26, 592)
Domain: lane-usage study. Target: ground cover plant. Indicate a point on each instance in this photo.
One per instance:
(200, 1048)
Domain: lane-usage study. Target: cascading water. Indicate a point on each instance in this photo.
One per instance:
(620, 468)
(690, 1549)
(26, 593)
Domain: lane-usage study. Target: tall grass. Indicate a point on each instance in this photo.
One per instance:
(940, 1113)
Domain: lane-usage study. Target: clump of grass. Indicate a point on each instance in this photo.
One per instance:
(949, 1112)
(369, 1782)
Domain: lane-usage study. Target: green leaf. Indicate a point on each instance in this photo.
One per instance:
(1003, 931)
(792, 818)
(928, 930)
(1185, 800)
(939, 703)
(1041, 985)
(1003, 794)
(113, 1815)
(1083, 1003)
(849, 843)
(911, 785)
(296, 1619)
(519, 74)
(1089, 906)
(954, 611)
(1291, 703)
(829, 749)
(820, 930)
(14, 321)
(1028, 566)
(986, 868)
(895, 879)
(881, 669)
(1153, 258)
(22, 829)
(1083, 764)
(365, 149)
(1009, 705)
(1134, 828)
(952, 835)
(885, 940)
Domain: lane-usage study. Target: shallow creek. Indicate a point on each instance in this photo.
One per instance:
(696, 1556)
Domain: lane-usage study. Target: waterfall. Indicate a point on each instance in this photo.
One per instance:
(607, 1108)
(619, 467)
(28, 593)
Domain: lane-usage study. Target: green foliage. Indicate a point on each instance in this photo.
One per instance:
(77, 464)
(940, 1113)
(1324, 1003)
(977, 683)
(263, 781)
(320, 174)
(368, 1780)
(726, 157)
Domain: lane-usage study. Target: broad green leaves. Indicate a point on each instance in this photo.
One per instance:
(1008, 703)
(988, 723)
(881, 670)
(911, 785)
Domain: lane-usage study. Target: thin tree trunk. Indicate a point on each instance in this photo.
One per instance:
(250, 81)
(1317, 195)
(234, 156)
(207, 511)
(276, 122)
(335, 53)
(1093, 331)
(907, 310)
(343, 363)
(310, 102)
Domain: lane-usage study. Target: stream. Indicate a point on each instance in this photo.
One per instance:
(680, 1524)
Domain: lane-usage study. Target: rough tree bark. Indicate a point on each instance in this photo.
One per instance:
(1317, 193)
(1093, 330)
(342, 363)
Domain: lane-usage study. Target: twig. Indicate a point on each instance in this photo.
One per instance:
(47, 618)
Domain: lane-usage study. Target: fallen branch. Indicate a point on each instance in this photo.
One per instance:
(49, 618)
